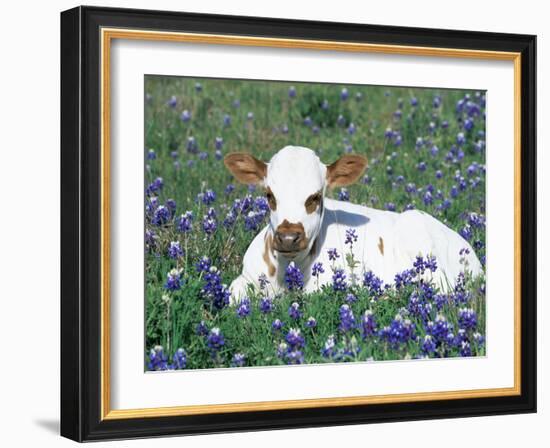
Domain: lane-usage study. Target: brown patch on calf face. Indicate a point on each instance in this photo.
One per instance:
(272, 202)
(381, 245)
(346, 170)
(271, 269)
(313, 201)
(246, 168)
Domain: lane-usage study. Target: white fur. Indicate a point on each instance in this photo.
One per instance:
(293, 174)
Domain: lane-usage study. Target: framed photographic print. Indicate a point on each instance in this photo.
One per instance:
(274, 224)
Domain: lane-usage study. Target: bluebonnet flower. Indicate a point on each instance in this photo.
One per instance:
(150, 239)
(411, 188)
(213, 289)
(358, 96)
(466, 232)
(440, 328)
(151, 155)
(229, 219)
(294, 338)
(390, 206)
(180, 359)
(185, 222)
(185, 116)
(468, 124)
(157, 359)
(174, 250)
(328, 350)
(250, 116)
(436, 101)
(243, 309)
(438, 174)
(173, 280)
(155, 186)
(368, 324)
(467, 318)
(172, 102)
(460, 139)
(311, 322)
(171, 204)
(294, 311)
(215, 340)
(340, 121)
(339, 280)
(373, 283)
(294, 278)
(333, 254)
(266, 305)
(400, 331)
(465, 349)
(161, 216)
(209, 225)
(418, 264)
(344, 94)
(203, 155)
(343, 194)
(229, 189)
(351, 298)
(404, 278)
(428, 345)
(388, 133)
(444, 124)
(351, 237)
(294, 357)
(292, 92)
(421, 166)
(347, 319)
(414, 101)
(204, 265)
(431, 263)
(198, 87)
(351, 129)
(192, 145)
(263, 281)
(308, 121)
(208, 197)
(277, 325)
(218, 143)
(227, 120)
(478, 338)
(325, 104)
(418, 306)
(317, 269)
(238, 360)
(236, 103)
(201, 329)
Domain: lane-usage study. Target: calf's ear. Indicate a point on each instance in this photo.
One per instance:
(246, 168)
(346, 170)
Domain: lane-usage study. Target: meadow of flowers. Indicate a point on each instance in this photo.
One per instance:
(426, 150)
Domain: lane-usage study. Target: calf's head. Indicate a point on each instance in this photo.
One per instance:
(294, 182)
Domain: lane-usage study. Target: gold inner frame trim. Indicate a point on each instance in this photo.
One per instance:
(107, 35)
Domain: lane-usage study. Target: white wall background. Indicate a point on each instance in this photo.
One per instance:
(29, 220)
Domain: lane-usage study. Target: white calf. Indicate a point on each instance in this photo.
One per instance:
(304, 225)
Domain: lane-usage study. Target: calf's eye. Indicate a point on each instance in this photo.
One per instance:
(270, 199)
(312, 202)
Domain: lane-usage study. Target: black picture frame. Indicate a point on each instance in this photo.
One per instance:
(81, 224)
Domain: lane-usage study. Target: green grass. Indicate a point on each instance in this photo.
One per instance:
(172, 316)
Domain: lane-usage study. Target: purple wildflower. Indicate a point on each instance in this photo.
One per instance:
(294, 311)
(294, 278)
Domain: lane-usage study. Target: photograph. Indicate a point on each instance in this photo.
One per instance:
(290, 223)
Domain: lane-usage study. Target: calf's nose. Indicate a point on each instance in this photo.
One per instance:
(288, 240)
